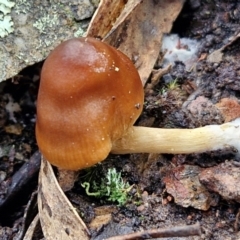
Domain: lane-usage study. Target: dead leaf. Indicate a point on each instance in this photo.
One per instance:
(139, 29)
(31, 230)
(107, 14)
(139, 35)
(103, 215)
(203, 56)
(217, 55)
(59, 220)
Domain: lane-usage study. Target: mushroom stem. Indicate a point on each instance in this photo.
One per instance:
(178, 141)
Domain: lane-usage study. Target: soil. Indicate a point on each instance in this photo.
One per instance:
(187, 103)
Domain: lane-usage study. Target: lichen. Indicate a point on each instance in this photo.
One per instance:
(22, 6)
(79, 33)
(6, 23)
(45, 22)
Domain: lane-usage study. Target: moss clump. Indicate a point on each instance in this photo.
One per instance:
(112, 188)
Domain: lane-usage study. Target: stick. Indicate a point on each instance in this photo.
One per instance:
(182, 231)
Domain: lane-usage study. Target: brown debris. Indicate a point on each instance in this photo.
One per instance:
(14, 129)
(230, 108)
(21, 178)
(66, 179)
(102, 218)
(156, 76)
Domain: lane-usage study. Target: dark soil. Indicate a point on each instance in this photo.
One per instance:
(212, 23)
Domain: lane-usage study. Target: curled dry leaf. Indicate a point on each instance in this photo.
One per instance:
(32, 228)
(59, 220)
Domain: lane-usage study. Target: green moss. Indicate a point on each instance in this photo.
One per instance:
(112, 188)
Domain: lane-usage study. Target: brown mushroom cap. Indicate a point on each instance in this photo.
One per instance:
(90, 94)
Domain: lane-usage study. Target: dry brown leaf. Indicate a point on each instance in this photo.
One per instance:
(217, 55)
(103, 215)
(31, 230)
(139, 34)
(138, 30)
(107, 14)
(66, 179)
(59, 220)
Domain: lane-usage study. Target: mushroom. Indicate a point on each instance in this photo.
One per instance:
(90, 96)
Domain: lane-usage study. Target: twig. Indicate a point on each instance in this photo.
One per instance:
(182, 231)
(156, 75)
(20, 180)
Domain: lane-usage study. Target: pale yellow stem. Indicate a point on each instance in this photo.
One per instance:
(177, 141)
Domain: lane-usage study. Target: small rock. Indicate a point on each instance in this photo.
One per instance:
(183, 184)
(223, 179)
(230, 108)
(203, 112)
